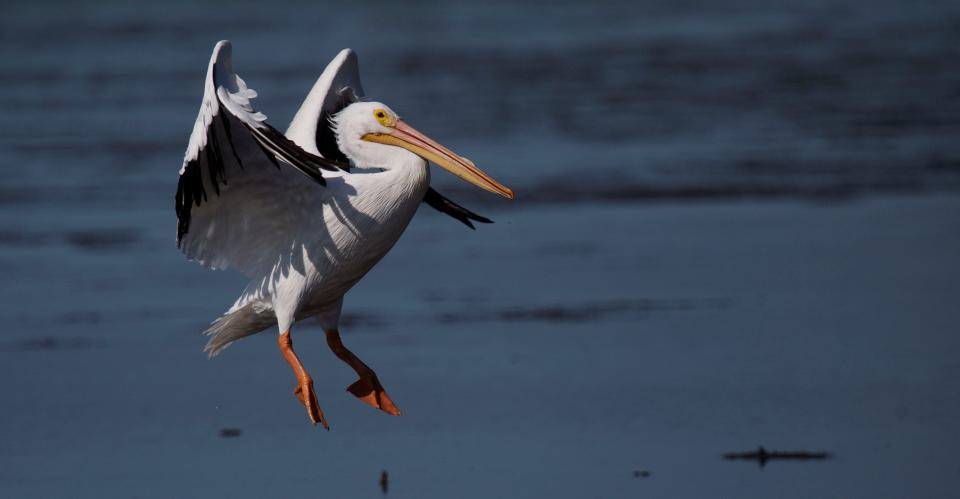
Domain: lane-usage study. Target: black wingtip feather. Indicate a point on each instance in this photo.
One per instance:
(273, 144)
(440, 203)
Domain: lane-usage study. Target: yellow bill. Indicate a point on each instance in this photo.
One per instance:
(407, 137)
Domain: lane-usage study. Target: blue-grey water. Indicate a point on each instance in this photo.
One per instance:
(737, 224)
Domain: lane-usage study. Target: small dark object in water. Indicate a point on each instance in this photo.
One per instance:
(384, 482)
(641, 474)
(761, 455)
(585, 312)
(230, 432)
(50, 343)
(103, 239)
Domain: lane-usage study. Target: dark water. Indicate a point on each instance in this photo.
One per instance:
(674, 99)
(591, 343)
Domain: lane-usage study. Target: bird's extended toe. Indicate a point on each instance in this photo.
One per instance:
(304, 392)
(371, 392)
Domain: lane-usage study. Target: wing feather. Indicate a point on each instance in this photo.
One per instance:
(234, 160)
(337, 87)
(442, 204)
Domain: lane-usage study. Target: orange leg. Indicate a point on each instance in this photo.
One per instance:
(368, 388)
(304, 390)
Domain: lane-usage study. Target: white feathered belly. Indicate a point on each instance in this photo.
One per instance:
(359, 234)
(357, 220)
(351, 224)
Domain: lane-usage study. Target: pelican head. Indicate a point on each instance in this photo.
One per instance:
(371, 133)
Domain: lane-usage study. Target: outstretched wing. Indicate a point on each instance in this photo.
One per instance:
(234, 162)
(336, 88)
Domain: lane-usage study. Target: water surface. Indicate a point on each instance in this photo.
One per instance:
(736, 225)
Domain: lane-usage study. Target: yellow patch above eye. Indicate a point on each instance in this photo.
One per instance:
(383, 117)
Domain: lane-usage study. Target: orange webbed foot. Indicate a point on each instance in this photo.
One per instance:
(308, 398)
(371, 392)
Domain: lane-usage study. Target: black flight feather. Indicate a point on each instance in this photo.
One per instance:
(440, 203)
(190, 188)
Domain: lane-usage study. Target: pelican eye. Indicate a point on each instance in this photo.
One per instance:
(383, 117)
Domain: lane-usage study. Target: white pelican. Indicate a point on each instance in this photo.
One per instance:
(292, 214)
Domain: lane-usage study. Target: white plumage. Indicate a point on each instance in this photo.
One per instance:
(291, 214)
